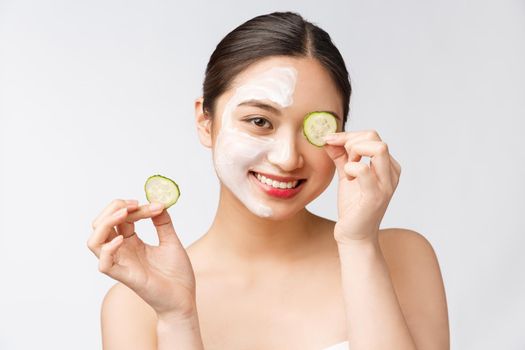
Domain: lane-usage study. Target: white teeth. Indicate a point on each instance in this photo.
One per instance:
(274, 183)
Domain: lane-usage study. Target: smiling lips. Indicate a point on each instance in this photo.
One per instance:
(276, 186)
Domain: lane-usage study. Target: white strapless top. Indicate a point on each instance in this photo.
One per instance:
(339, 346)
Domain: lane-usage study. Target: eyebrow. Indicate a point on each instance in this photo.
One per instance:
(261, 105)
(270, 108)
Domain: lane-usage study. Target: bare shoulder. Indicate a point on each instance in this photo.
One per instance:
(417, 280)
(404, 247)
(396, 240)
(127, 321)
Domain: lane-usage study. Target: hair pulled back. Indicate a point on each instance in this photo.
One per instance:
(274, 34)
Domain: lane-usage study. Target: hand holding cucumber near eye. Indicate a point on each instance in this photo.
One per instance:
(161, 275)
(364, 191)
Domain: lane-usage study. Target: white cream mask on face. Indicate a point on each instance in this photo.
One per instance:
(236, 152)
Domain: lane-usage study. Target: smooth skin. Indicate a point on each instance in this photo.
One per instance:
(296, 281)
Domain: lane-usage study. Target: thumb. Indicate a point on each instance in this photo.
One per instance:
(339, 156)
(164, 227)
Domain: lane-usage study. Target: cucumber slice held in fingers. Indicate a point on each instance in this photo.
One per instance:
(162, 190)
(316, 125)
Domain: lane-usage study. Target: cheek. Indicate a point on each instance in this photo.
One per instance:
(238, 150)
(324, 167)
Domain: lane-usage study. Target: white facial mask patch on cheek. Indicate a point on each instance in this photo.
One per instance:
(236, 152)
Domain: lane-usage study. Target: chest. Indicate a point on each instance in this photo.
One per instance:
(304, 311)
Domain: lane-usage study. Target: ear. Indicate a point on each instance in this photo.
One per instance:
(203, 123)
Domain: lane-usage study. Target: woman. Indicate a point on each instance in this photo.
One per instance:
(269, 274)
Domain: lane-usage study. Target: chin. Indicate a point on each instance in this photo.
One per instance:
(282, 214)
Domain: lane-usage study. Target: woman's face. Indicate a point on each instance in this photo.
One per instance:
(259, 151)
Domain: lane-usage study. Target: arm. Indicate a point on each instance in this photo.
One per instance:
(130, 323)
(179, 333)
(127, 322)
(156, 281)
(374, 317)
(394, 300)
(402, 307)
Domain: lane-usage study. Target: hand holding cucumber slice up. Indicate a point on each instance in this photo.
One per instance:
(161, 274)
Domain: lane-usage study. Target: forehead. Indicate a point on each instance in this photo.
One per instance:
(307, 68)
(313, 84)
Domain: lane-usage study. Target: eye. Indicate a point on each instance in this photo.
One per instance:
(260, 122)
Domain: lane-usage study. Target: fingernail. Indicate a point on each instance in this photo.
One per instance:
(329, 137)
(120, 212)
(156, 206)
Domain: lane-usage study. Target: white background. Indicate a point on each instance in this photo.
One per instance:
(95, 96)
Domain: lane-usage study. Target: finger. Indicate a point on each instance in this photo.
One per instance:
(145, 211)
(396, 171)
(339, 157)
(341, 142)
(115, 205)
(396, 164)
(379, 159)
(107, 263)
(105, 231)
(360, 171)
(340, 138)
(127, 228)
(348, 146)
(367, 135)
(165, 230)
(394, 176)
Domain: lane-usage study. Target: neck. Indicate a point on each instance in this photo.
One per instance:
(238, 234)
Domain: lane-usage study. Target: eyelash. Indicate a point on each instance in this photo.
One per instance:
(251, 120)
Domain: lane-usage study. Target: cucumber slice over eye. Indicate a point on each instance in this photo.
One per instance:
(316, 125)
(162, 190)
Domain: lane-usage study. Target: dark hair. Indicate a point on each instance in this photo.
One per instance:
(274, 34)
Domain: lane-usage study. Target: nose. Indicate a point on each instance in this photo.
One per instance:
(285, 154)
